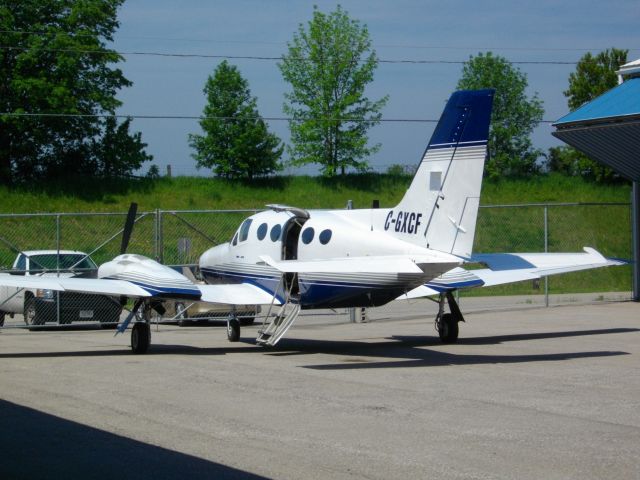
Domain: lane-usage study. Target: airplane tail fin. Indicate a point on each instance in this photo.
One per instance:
(440, 208)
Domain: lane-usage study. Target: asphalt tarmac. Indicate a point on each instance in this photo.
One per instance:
(541, 393)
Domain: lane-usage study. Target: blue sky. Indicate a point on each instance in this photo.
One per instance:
(400, 30)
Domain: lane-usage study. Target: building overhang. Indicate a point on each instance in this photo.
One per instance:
(607, 129)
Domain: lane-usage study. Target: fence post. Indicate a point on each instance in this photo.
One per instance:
(58, 266)
(546, 249)
(159, 240)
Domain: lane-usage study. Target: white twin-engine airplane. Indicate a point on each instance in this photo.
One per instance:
(292, 259)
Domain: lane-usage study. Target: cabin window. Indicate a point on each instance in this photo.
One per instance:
(325, 236)
(262, 231)
(307, 235)
(244, 229)
(275, 233)
(435, 181)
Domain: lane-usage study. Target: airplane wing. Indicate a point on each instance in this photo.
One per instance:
(82, 285)
(236, 294)
(512, 267)
(231, 294)
(401, 264)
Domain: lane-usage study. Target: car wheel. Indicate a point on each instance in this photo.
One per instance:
(31, 316)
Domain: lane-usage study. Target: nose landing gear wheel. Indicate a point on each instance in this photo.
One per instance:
(233, 330)
(140, 337)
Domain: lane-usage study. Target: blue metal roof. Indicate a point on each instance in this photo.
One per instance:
(622, 100)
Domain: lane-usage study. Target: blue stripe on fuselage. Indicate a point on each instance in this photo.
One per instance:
(313, 293)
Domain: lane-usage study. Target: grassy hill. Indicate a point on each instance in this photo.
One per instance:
(181, 193)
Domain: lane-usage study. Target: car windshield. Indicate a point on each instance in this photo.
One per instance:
(64, 261)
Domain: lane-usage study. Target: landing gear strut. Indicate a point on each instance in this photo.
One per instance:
(447, 323)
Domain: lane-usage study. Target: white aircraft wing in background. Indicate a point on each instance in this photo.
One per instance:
(229, 294)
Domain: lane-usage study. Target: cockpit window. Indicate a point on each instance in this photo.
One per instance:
(234, 242)
(275, 232)
(244, 229)
(325, 236)
(307, 235)
(262, 231)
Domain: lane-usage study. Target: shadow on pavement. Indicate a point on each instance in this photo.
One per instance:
(37, 445)
(397, 351)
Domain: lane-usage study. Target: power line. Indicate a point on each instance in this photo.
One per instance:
(268, 58)
(200, 117)
(265, 42)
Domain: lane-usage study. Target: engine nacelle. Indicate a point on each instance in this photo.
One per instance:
(157, 279)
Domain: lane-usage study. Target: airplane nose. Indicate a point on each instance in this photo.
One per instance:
(214, 256)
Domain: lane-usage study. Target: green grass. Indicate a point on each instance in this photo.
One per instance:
(194, 193)
(182, 193)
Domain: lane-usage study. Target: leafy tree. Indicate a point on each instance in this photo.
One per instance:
(328, 64)
(54, 61)
(236, 142)
(119, 151)
(514, 114)
(594, 76)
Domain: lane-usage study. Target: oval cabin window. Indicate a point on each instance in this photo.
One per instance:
(262, 231)
(325, 236)
(275, 233)
(307, 235)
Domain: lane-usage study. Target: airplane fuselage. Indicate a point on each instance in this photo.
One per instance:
(299, 236)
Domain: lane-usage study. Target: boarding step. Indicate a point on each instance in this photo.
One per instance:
(279, 325)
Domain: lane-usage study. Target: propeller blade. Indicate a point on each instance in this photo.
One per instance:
(128, 227)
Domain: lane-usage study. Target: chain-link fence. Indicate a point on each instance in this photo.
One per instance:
(74, 243)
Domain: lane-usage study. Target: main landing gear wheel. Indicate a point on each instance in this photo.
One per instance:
(448, 328)
(233, 330)
(140, 337)
(447, 323)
